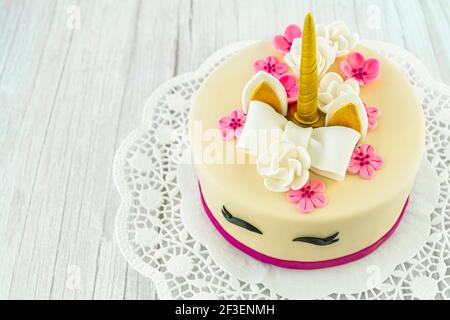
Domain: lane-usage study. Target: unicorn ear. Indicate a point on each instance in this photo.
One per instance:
(265, 88)
(348, 111)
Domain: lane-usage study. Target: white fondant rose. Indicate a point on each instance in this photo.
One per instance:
(339, 36)
(332, 86)
(326, 55)
(284, 167)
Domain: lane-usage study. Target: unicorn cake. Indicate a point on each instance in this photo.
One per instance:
(306, 147)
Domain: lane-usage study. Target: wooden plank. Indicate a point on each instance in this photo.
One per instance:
(438, 26)
(416, 37)
(378, 20)
(23, 137)
(68, 98)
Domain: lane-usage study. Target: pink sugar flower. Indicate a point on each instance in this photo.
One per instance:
(290, 84)
(362, 70)
(232, 125)
(373, 113)
(365, 162)
(283, 43)
(270, 65)
(310, 196)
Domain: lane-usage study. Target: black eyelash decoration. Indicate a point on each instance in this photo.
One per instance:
(318, 241)
(239, 222)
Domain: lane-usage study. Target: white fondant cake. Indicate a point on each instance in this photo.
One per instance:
(306, 194)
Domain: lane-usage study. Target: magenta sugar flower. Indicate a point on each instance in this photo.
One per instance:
(232, 125)
(270, 65)
(373, 113)
(362, 70)
(283, 43)
(290, 84)
(365, 162)
(310, 196)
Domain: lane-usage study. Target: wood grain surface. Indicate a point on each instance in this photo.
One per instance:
(74, 76)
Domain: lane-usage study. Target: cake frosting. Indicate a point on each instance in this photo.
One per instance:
(301, 192)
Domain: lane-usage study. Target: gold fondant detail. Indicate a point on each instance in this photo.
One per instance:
(264, 93)
(320, 122)
(308, 113)
(346, 116)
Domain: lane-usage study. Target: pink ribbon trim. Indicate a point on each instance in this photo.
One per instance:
(290, 264)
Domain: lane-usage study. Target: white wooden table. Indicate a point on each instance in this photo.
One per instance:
(72, 89)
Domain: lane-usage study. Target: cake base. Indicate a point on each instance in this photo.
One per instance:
(301, 265)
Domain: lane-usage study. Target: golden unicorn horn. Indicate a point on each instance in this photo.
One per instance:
(308, 114)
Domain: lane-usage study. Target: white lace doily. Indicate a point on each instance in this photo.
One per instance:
(154, 239)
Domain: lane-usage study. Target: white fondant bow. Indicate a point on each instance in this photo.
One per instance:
(329, 148)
